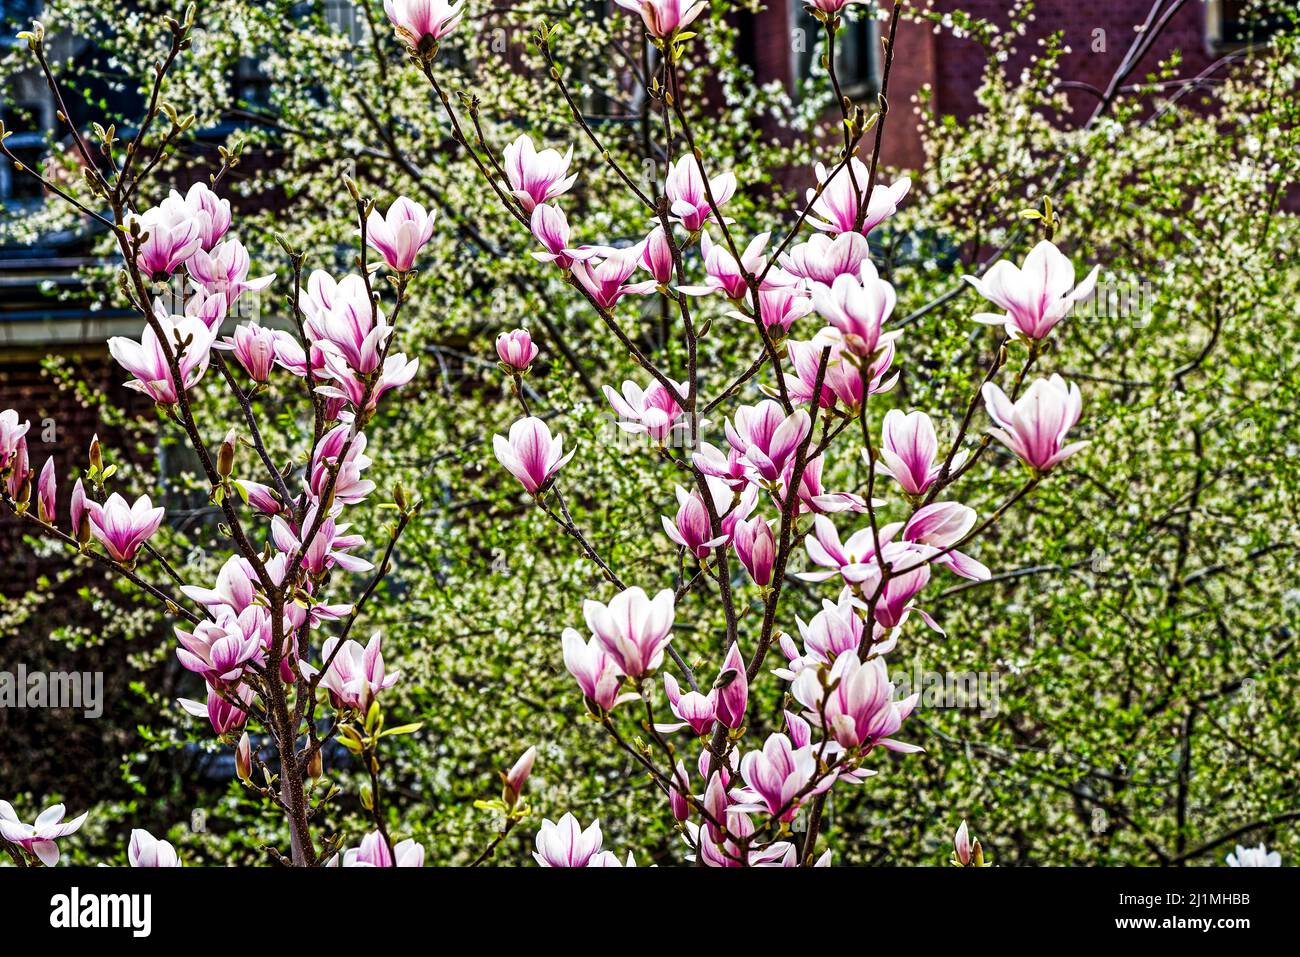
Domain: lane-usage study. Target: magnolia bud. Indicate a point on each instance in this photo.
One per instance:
(96, 458)
(676, 799)
(315, 766)
(514, 778)
(226, 455)
(244, 759)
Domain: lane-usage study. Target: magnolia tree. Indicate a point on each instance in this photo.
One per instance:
(745, 454)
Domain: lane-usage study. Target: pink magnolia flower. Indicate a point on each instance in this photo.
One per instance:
(756, 546)
(595, 671)
(530, 454)
(633, 629)
(190, 341)
(910, 573)
(836, 209)
(400, 234)
(224, 271)
(550, 227)
(327, 549)
(777, 774)
(806, 358)
(172, 235)
(349, 487)
(145, 850)
(236, 588)
(516, 349)
(290, 356)
(46, 493)
(767, 437)
(262, 497)
(651, 411)
(831, 6)
(11, 437)
(860, 710)
(340, 316)
(723, 274)
(224, 717)
(536, 177)
(414, 20)
(123, 528)
(732, 689)
(356, 676)
(1035, 296)
(254, 348)
(729, 466)
(684, 185)
(663, 18)
(858, 307)
(211, 307)
(606, 279)
(39, 837)
(843, 380)
(212, 213)
(353, 389)
(1035, 425)
(813, 497)
(909, 451)
(610, 859)
(693, 709)
(20, 471)
(940, 526)
(657, 256)
(1258, 856)
(374, 852)
(835, 629)
(221, 650)
(718, 850)
(780, 306)
(855, 560)
(692, 529)
(823, 259)
(566, 844)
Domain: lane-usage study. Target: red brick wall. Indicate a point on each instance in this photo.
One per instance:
(953, 67)
(37, 398)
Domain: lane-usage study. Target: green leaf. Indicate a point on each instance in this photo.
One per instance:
(403, 729)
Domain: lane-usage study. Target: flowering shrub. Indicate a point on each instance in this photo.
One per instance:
(743, 789)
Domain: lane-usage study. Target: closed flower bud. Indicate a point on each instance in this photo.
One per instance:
(46, 493)
(315, 766)
(244, 759)
(226, 455)
(515, 778)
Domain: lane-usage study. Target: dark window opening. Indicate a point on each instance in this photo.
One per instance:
(1233, 24)
(856, 52)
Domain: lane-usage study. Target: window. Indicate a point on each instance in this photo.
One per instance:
(1234, 24)
(856, 53)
